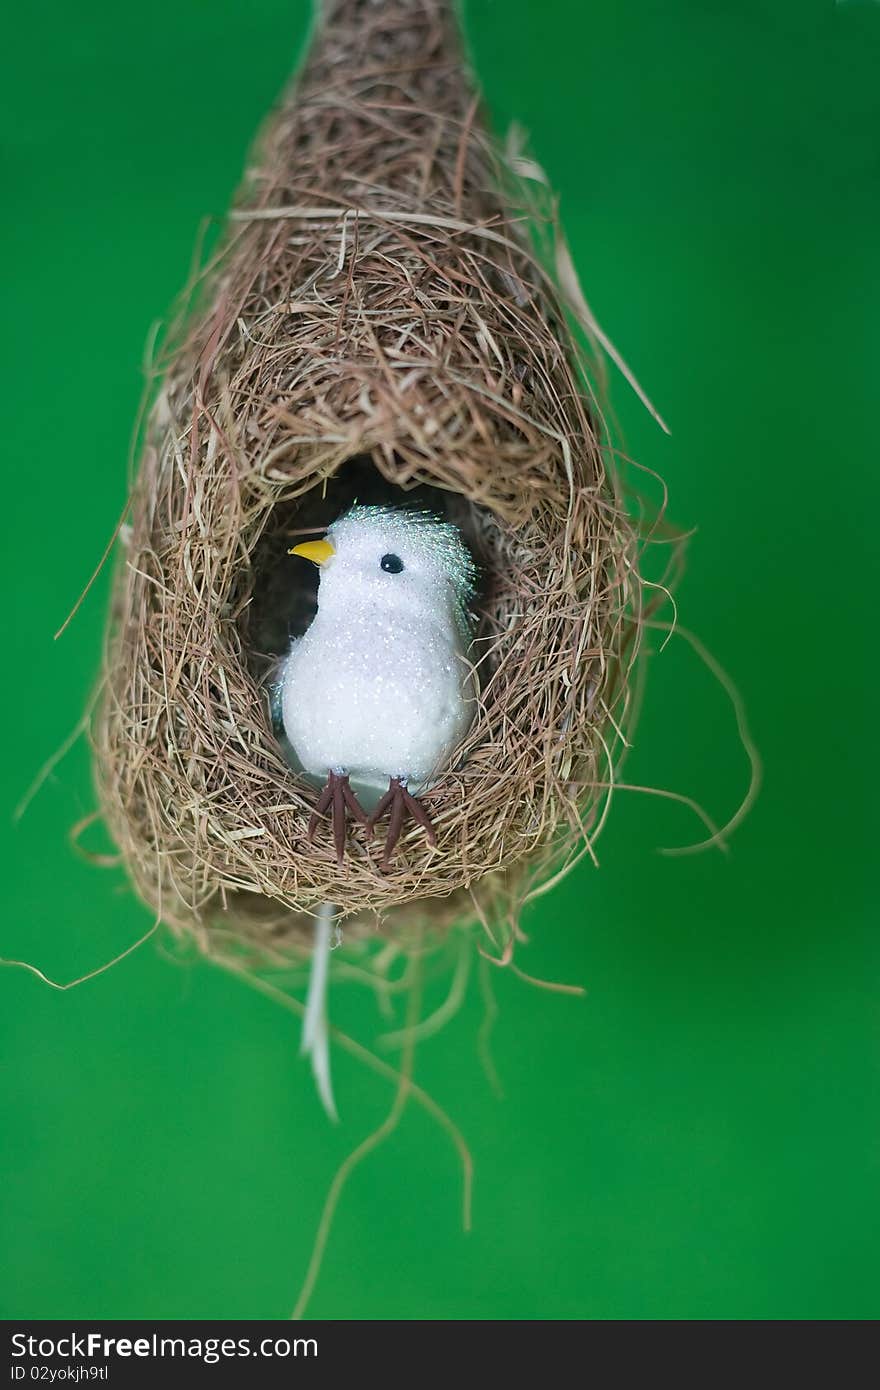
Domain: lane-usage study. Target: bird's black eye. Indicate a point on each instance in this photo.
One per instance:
(391, 564)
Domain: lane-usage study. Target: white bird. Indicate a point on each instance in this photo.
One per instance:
(379, 691)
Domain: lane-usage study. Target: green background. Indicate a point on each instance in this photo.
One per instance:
(698, 1137)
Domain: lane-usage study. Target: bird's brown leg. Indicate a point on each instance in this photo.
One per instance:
(321, 805)
(353, 805)
(419, 814)
(395, 824)
(401, 801)
(338, 819)
(338, 796)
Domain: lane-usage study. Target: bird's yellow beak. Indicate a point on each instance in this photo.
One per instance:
(319, 552)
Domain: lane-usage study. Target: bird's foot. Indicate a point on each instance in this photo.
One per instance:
(338, 798)
(400, 802)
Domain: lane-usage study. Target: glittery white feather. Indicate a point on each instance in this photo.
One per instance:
(380, 686)
(315, 1034)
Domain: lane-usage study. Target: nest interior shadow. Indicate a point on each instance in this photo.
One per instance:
(378, 320)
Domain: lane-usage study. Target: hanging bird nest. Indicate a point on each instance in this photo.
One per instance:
(380, 317)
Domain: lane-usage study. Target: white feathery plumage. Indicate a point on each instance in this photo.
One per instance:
(379, 688)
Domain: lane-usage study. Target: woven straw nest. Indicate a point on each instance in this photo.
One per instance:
(378, 316)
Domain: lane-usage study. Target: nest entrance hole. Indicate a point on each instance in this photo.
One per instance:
(285, 587)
